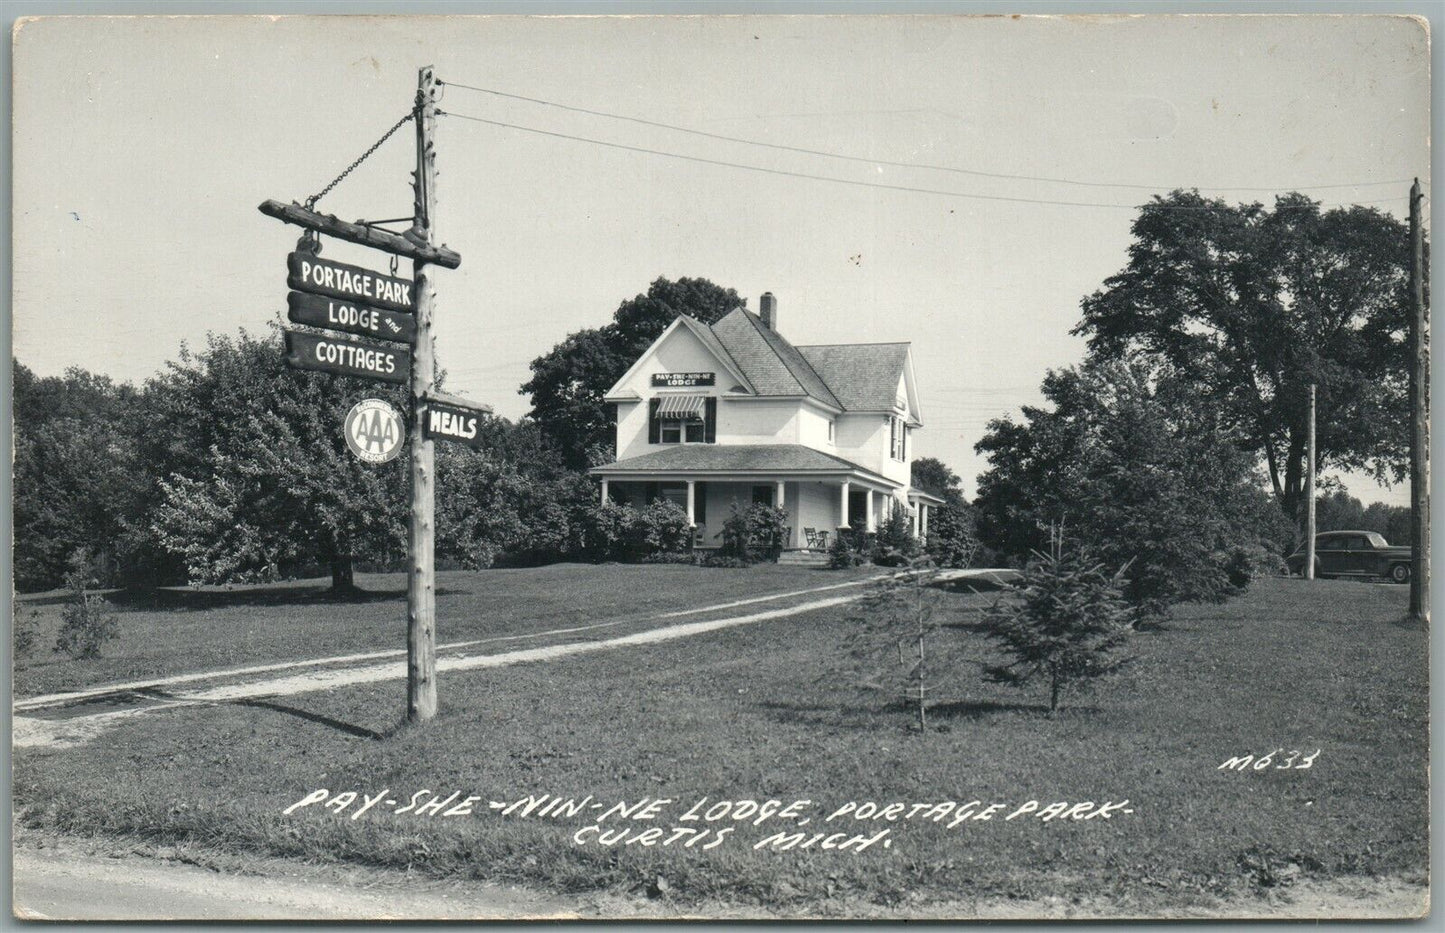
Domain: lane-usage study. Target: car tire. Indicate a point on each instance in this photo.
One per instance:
(1400, 573)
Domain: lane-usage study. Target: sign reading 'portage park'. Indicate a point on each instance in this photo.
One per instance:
(308, 273)
(327, 354)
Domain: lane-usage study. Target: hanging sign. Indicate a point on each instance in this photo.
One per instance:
(310, 273)
(374, 430)
(350, 317)
(451, 422)
(682, 380)
(328, 354)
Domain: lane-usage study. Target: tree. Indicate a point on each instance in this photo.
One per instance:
(897, 639)
(1136, 468)
(952, 540)
(568, 383)
(1067, 622)
(80, 483)
(1251, 305)
(933, 475)
(257, 479)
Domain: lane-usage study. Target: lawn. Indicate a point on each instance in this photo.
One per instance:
(761, 712)
(185, 630)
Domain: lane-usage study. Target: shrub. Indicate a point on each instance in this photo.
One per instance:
(27, 631)
(661, 528)
(754, 533)
(599, 529)
(1066, 624)
(86, 622)
(842, 554)
(952, 539)
(896, 535)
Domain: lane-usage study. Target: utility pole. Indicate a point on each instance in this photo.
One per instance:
(421, 660)
(1310, 494)
(1419, 420)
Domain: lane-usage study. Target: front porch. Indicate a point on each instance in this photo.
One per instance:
(817, 509)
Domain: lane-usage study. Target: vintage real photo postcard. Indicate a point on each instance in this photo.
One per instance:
(851, 467)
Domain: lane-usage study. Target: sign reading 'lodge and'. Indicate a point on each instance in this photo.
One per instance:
(682, 380)
(444, 421)
(310, 273)
(374, 430)
(327, 354)
(351, 318)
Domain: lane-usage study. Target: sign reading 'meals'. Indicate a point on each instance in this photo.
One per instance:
(350, 317)
(682, 380)
(452, 423)
(318, 276)
(328, 354)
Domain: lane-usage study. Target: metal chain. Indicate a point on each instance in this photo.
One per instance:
(311, 201)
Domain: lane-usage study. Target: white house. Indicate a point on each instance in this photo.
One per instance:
(732, 413)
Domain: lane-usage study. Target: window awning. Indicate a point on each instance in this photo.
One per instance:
(681, 407)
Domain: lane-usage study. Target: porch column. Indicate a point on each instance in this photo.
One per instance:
(691, 504)
(843, 505)
(872, 513)
(781, 492)
(604, 490)
(917, 519)
(923, 520)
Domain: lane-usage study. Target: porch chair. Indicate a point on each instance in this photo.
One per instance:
(816, 539)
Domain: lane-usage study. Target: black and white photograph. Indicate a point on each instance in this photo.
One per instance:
(731, 466)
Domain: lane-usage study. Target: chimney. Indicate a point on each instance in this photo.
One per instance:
(768, 311)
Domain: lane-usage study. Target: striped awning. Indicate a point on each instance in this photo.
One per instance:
(681, 407)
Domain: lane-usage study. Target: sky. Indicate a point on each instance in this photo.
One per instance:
(142, 147)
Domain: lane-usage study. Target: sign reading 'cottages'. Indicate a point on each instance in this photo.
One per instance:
(682, 380)
(338, 280)
(452, 423)
(328, 354)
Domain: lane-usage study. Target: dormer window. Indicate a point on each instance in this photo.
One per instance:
(682, 419)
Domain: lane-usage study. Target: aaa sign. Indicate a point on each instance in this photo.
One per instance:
(374, 431)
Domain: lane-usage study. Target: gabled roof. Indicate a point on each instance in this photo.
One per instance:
(773, 365)
(844, 377)
(864, 376)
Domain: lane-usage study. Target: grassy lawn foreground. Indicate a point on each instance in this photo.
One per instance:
(185, 630)
(753, 713)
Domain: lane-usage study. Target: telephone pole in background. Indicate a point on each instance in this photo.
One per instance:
(1419, 419)
(421, 659)
(1310, 494)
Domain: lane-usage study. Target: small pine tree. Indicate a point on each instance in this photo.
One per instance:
(86, 622)
(1066, 624)
(895, 644)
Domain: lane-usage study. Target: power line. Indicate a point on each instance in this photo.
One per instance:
(918, 165)
(839, 181)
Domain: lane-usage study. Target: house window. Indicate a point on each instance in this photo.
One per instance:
(763, 495)
(682, 419)
(830, 431)
(897, 438)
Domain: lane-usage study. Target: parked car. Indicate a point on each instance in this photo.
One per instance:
(1354, 554)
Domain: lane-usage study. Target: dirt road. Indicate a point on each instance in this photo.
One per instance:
(68, 880)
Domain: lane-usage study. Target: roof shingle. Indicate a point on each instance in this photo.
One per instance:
(731, 458)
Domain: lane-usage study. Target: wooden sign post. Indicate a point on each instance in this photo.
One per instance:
(333, 296)
(421, 597)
